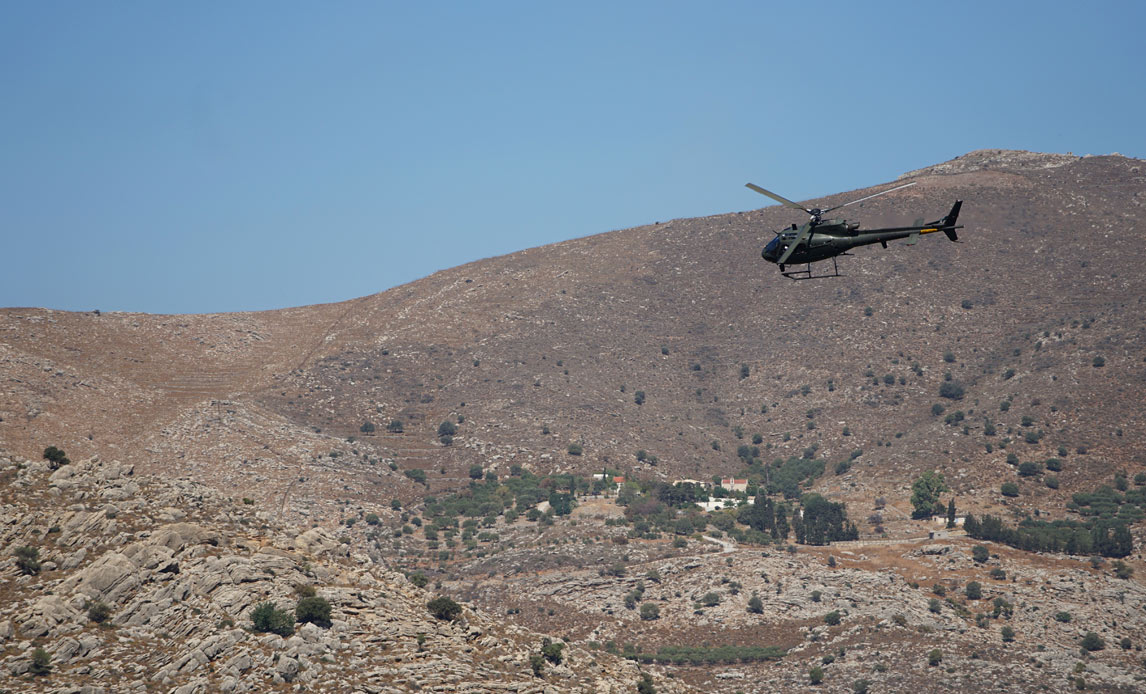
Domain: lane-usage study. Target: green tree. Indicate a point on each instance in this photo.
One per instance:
(315, 610)
(537, 664)
(28, 560)
(951, 513)
(268, 618)
(816, 674)
(832, 618)
(444, 608)
(980, 553)
(552, 650)
(367, 427)
(476, 472)
(974, 591)
(951, 390)
(925, 493)
(755, 605)
(1009, 489)
(41, 662)
(55, 457)
(1092, 642)
(650, 611)
(395, 426)
(99, 612)
(416, 475)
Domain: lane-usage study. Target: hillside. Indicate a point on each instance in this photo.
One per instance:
(306, 445)
(550, 345)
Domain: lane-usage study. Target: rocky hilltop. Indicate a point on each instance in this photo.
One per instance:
(143, 584)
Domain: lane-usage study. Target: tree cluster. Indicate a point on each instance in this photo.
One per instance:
(1105, 538)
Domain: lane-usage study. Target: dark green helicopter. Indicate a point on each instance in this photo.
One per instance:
(820, 239)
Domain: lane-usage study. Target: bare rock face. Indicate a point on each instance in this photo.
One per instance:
(110, 578)
(125, 601)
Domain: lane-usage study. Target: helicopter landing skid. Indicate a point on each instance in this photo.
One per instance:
(806, 273)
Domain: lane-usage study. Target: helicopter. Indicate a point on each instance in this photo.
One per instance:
(820, 239)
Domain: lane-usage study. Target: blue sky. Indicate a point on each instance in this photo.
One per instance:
(216, 156)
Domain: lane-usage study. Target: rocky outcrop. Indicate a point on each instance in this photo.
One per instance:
(126, 600)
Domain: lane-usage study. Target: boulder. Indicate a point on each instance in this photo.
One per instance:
(176, 536)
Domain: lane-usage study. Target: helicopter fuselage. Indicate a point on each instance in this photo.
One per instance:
(830, 238)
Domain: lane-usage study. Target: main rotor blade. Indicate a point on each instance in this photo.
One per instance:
(869, 197)
(778, 198)
(805, 232)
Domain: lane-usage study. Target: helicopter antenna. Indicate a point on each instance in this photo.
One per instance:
(869, 197)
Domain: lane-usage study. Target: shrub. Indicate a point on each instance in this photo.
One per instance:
(575, 449)
(933, 605)
(973, 591)
(1092, 642)
(551, 650)
(267, 618)
(1008, 634)
(1063, 617)
(315, 610)
(951, 390)
(1029, 469)
(934, 657)
(816, 674)
(41, 662)
(650, 611)
(1099, 362)
(1009, 489)
(537, 664)
(28, 560)
(417, 475)
(55, 457)
(710, 600)
(444, 608)
(998, 574)
(861, 686)
(755, 605)
(99, 612)
(832, 618)
(937, 410)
